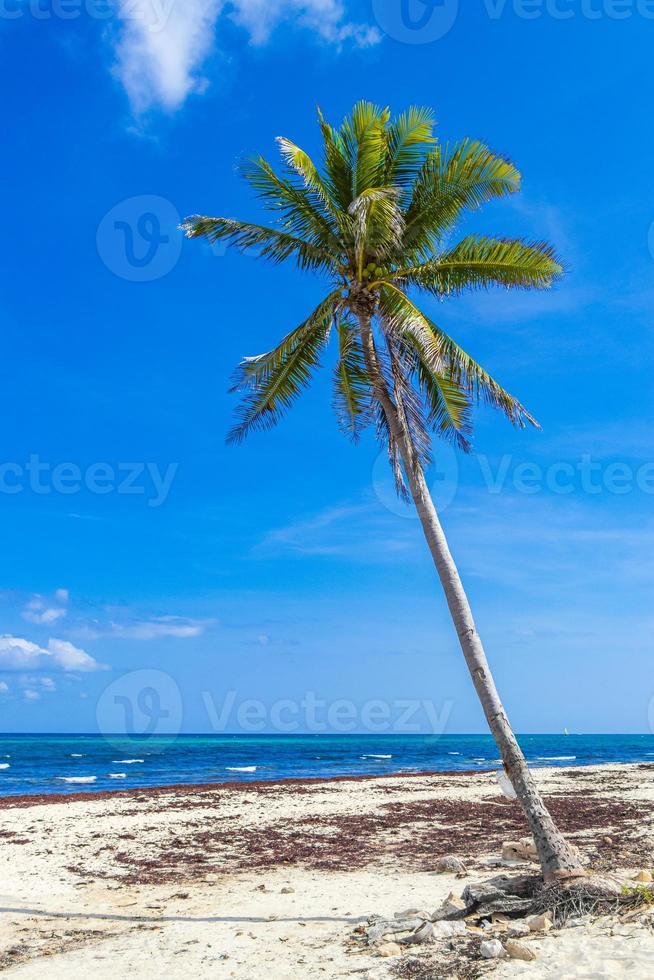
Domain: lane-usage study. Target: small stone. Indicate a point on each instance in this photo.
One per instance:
(518, 930)
(540, 923)
(287, 890)
(390, 949)
(519, 850)
(512, 851)
(492, 949)
(643, 876)
(453, 905)
(451, 863)
(446, 930)
(519, 951)
(607, 840)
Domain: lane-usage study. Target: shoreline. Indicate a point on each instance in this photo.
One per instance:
(254, 785)
(257, 785)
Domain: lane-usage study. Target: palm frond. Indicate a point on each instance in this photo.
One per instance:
(302, 164)
(363, 136)
(273, 381)
(386, 439)
(352, 391)
(339, 178)
(409, 404)
(448, 404)
(269, 243)
(378, 223)
(408, 136)
(454, 178)
(400, 315)
(478, 262)
(300, 211)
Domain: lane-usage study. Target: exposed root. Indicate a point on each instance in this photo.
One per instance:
(591, 896)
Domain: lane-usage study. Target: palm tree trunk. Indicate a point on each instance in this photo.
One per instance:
(558, 858)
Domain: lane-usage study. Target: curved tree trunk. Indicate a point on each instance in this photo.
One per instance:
(558, 858)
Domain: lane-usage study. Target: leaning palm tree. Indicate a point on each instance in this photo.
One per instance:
(376, 221)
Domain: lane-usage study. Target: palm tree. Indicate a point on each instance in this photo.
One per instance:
(376, 221)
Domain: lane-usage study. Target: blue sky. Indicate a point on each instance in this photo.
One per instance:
(134, 539)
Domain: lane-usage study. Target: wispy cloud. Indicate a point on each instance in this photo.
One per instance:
(160, 627)
(19, 654)
(325, 18)
(162, 45)
(364, 532)
(44, 612)
(153, 628)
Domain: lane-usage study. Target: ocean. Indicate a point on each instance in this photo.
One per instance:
(47, 764)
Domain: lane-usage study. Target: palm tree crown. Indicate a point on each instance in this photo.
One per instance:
(377, 220)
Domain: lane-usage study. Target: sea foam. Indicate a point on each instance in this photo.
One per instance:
(241, 768)
(77, 779)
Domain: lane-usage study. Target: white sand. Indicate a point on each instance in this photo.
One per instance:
(61, 894)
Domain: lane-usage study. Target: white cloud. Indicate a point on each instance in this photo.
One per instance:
(43, 617)
(161, 47)
(160, 627)
(31, 695)
(69, 657)
(44, 613)
(150, 628)
(4, 688)
(162, 44)
(326, 18)
(19, 654)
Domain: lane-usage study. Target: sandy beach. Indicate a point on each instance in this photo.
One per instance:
(274, 879)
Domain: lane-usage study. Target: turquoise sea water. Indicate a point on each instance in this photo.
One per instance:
(45, 764)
